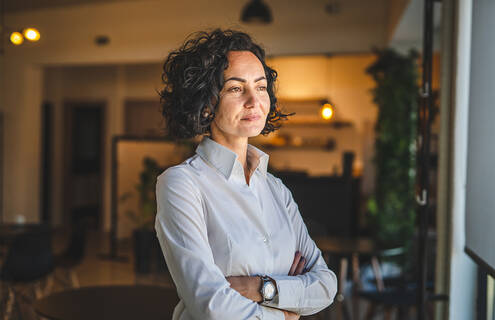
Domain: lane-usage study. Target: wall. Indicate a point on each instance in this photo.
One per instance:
(339, 78)
(462, 282)
(342, 80)
(84, 84)
(22, 143)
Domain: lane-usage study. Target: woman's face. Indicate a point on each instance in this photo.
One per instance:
(244, 101)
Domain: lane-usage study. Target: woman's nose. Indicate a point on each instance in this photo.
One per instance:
(251, 99)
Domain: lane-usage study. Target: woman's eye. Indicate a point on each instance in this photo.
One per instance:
(262, 88)
(235, 89)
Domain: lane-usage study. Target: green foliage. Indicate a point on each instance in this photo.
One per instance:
(144, 219)
(392, 208)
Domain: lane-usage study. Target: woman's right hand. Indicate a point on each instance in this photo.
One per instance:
(290, 315)
(297, 267)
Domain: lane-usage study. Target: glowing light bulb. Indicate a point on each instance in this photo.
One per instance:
(32, 34)
(327, 111)
(16, 38)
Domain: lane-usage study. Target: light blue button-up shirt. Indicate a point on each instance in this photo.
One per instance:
(211, 224)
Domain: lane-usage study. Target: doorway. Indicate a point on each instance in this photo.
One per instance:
(84, 162)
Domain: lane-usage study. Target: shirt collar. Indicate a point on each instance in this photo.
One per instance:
(224, 159)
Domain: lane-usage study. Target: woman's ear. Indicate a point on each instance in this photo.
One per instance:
(206, 115)
(206, 112)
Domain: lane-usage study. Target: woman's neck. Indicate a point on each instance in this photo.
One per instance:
(237, 145)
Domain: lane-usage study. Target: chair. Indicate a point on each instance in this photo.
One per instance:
(400, 292)
(72, 256)
(29, 260)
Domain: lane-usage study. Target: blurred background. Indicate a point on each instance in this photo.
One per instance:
(82, 141)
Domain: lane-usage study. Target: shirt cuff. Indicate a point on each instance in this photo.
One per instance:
(271, 313)
(290, 289)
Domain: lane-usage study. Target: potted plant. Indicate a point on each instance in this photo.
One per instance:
(392, 207)
(144, 235)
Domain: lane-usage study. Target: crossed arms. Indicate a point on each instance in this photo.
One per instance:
(201, 285)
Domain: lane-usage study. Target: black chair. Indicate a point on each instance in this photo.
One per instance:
(400, 292)
(72, 256)
(28, 262)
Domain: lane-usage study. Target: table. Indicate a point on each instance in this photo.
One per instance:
(353, 247)
(9, 231)
(109, 302)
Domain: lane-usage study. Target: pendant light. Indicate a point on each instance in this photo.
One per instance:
(256, 12)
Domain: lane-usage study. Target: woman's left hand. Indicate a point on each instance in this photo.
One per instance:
(298, 263)
(247, 286)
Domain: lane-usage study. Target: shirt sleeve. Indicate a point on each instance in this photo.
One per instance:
(182, 231)
(314, 290)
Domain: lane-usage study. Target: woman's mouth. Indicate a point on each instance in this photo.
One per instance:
(252, 117)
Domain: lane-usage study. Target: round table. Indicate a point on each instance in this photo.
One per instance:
(10, 231)
(109, 302)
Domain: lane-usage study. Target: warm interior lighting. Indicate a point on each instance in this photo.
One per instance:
(16, 38)
(32, 34)
(327, 111)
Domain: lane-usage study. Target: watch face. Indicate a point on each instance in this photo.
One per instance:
(269, 290)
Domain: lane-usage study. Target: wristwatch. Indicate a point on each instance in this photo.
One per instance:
(268, 289)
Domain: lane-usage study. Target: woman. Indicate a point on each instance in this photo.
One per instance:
(231, 233)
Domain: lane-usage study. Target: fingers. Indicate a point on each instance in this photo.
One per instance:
(300, 266)
(295, 262)
(297, 265)
(290, 315)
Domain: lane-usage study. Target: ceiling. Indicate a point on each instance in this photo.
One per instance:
(146, 29)
(28, 5)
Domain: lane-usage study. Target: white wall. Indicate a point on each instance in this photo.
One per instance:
(462, 269)
(21, 106)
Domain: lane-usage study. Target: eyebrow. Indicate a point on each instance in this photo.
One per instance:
(244, 80)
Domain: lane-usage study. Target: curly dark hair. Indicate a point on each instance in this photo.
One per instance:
(193, 79)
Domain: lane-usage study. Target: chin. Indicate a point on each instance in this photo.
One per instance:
(254, 132)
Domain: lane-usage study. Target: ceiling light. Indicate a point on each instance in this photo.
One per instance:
(333, 7)
(102, 40)
(256, 12)
(31, 34)
(16, 38)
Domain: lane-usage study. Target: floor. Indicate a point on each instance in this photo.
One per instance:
(97, 269)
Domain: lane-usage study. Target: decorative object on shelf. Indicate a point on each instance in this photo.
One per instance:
(256, 12)
(392, 208)
(288, 141)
